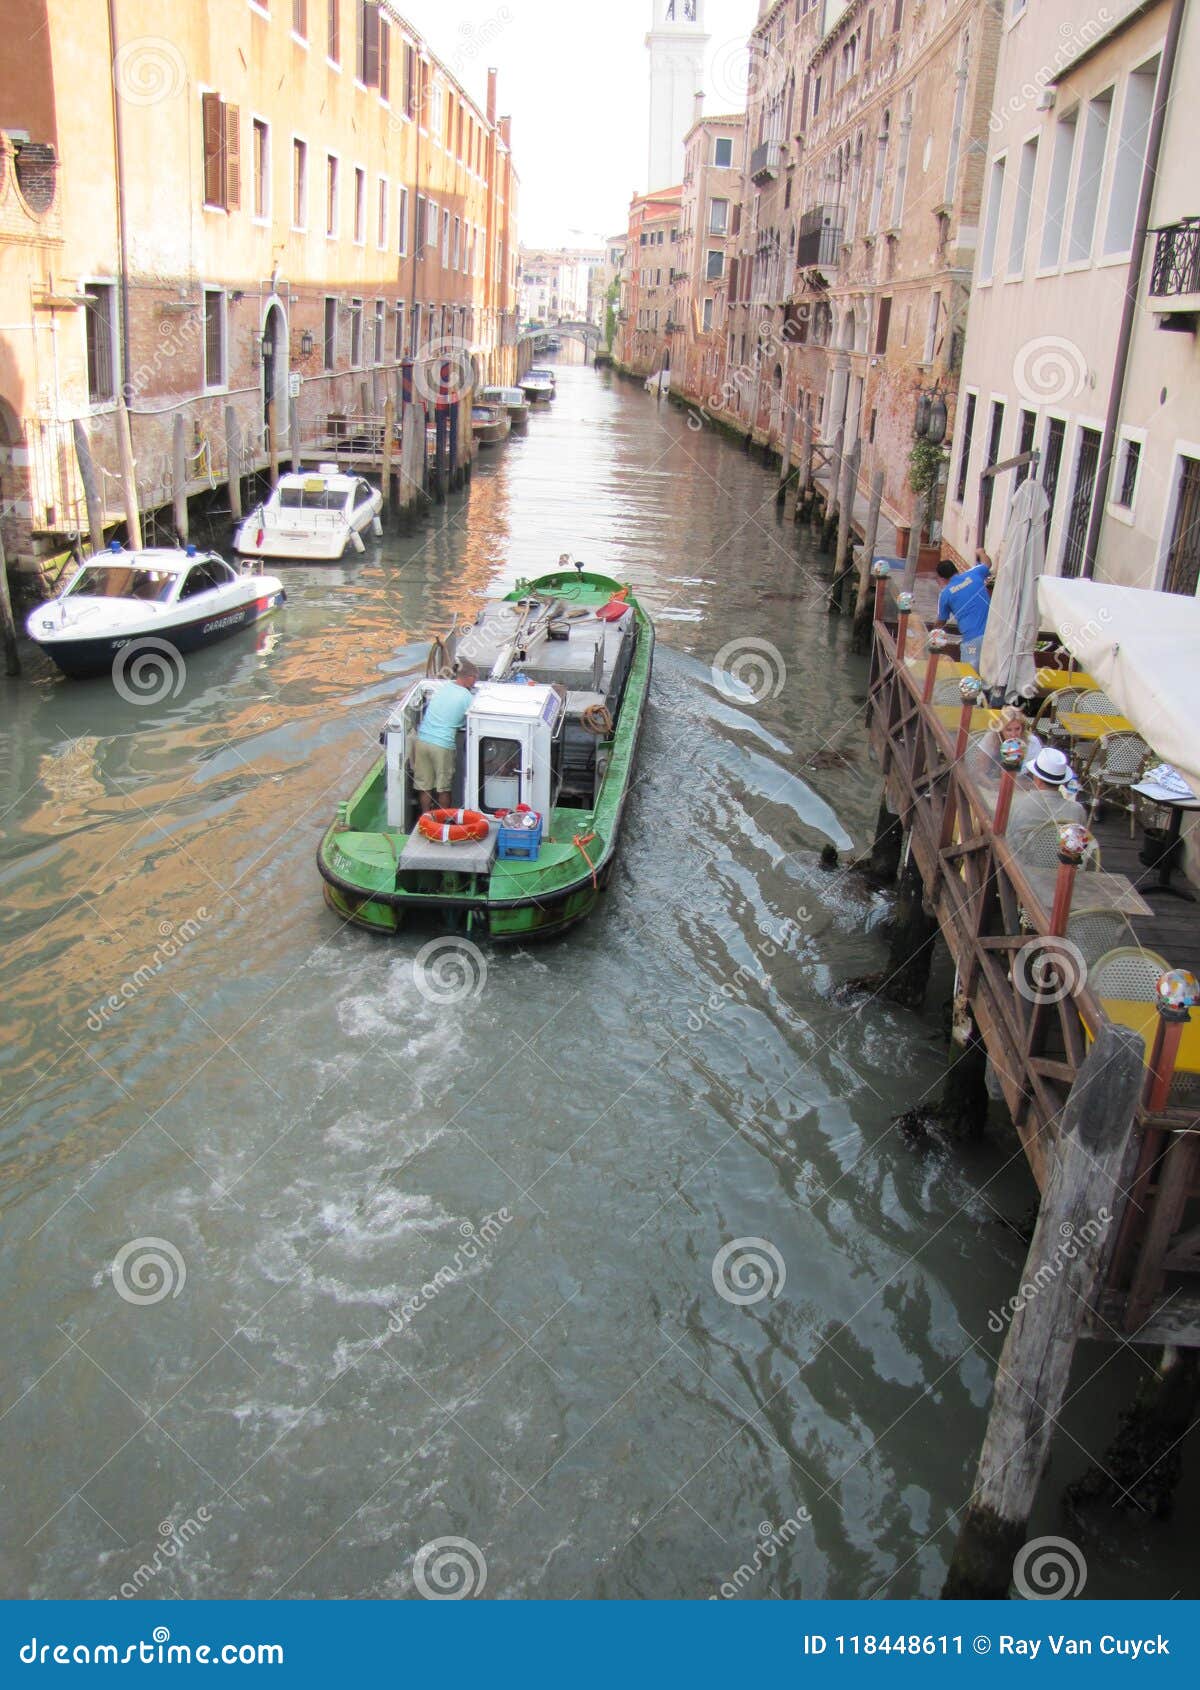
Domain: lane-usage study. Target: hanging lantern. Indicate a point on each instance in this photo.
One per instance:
(921, 420)
(935, 431)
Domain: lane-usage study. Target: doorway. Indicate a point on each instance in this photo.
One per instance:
(275, 373)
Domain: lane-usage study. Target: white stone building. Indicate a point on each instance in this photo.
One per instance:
(676, 45)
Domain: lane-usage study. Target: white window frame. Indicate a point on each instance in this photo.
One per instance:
(358, 204)
(1180, 449)
(332, 234)
(1030, 200)
(383, 212)
(101, 407)
(402, 228)
(1127, 513)
(264, 220)
(221, 386)
(299, 228)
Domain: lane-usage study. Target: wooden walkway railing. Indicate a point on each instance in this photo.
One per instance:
(996, 924)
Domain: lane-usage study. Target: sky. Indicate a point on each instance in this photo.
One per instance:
(574, 76)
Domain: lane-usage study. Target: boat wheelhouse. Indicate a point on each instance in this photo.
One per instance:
(538, 386)
(542, 770)
(510, 399)
(312, 516)
(489, 424)
(122, 602)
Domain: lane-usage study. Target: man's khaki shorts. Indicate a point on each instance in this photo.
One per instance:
(433, 767)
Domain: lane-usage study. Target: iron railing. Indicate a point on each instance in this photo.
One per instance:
(819, 238)
(1176, 267)
(765, 161)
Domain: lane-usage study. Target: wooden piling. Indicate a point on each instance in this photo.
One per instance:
(294, 433)
(133, 519)
(804, 479)
(91, 485)
(233, 451)
(385, 482)
(843, 557)
(1063, 1269)
(914, 549)
(179, 501)
(8, 628)
(864, 610)
(785, 467)
(830, 524)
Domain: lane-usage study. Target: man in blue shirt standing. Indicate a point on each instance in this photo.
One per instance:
(965, 597)
(434, 749)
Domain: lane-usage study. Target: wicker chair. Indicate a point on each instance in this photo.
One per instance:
(1095, 704)
(1095, 933)
(1128, 972)
(1040, 848)
(1116, 762)
(1046, 723)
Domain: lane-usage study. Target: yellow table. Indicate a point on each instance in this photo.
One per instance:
(1080, 726)
(1143, 1018)
(1054, 680)
(950, 715)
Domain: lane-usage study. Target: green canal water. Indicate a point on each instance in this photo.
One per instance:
(602, 1257)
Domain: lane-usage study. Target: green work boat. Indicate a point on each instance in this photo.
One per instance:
(553, 730)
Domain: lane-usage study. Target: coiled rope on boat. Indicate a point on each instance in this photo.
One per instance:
(597, 719)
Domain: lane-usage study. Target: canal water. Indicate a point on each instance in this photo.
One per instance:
(602, 1258)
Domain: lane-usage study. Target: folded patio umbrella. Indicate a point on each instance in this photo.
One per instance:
(1007, 659)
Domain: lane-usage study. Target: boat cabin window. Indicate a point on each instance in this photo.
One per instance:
(203, 577)
(302, 498)
(499, 774)
(103, 581)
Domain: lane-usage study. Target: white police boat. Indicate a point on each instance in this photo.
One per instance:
(312, 516)
(122, 604)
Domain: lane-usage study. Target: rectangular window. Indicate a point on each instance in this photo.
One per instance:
(708, 316)
(1080, 509)
(883, 326)
(415, 340)
(1091, 169)
(988, 485)
(715, 267)
(381, 230)
(360, 205)
(331, 194)
(987, 252)
(385, 59)
(330, 334)
(300, 19)
(964, 451)
(402, 247)
(410, 79)
(718, 217)
(931, 327)
(299, 184)
(366, 66)
(419, 232)
(377, 356)
(1056, 191)
(214, 337)
(356, 333)
(1051, 465)
(445, 237)
(1025, 444)
(398, 331)
(1131, 458)
(1183, 554)
(98, 331)
(431, 223)
(1022, 205)
(723, 153)
(455, 251)
(333, 50)
(221, 131)
(262, 170)
(1130, 159)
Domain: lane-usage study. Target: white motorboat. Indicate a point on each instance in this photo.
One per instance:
(538, 386)
(489, 424)
(312, 516)
(510, 399)
(119, 605)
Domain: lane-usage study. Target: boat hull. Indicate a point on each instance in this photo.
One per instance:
(491, 434)
(360, 869)
(318, 545)
(85, 658)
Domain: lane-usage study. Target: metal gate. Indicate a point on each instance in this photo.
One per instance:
(1081, 501)
(1183, 558)
(1051, 465)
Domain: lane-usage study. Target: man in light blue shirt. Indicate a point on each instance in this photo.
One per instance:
(965, 597)
(434, 750)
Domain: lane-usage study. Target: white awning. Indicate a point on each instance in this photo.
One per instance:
(1143, 648)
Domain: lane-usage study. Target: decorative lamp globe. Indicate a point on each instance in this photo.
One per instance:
(1176, 992)
(970, 688)
(904, 603)
(1074, 842)
(1012, 754)
(881, 569)
(938, 640)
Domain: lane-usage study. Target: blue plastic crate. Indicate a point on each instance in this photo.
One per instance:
(519, 843)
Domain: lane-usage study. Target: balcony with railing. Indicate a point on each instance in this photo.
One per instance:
(1175, 271)
(765, 162)
(819, 238)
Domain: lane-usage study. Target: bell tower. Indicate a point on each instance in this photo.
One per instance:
(676, 44)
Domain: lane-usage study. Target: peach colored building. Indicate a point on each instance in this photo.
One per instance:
(234, 204)
(647, 293)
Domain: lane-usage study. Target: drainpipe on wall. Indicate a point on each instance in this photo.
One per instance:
(1133, 283)
(119, 187)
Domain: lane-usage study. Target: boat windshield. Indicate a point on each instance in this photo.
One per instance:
(312, 499)
(112, 581)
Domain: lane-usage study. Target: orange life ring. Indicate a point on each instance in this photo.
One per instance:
(453, 827)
